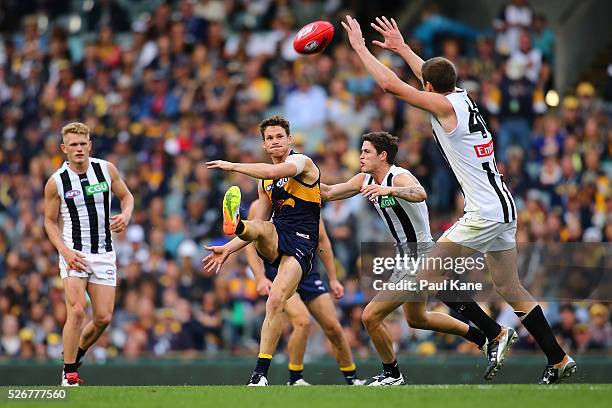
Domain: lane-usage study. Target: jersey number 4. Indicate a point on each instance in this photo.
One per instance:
(476, 122)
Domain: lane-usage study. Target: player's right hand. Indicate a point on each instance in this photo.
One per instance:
(263, 286)
(336, 288)
(75, 260)
(213, 261)
(389, 30)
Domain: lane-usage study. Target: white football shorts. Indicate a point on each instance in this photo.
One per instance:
(102, 269)
(482, 235)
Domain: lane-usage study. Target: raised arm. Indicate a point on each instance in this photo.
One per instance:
(394, 41)
(432, 102)
(344, 190)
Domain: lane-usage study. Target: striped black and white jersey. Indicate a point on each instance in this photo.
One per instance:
(468, 150)
(85, 207)
(408, 222)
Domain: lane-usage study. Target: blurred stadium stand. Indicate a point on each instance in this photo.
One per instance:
(165, 86)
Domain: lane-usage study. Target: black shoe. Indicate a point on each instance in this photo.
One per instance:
(257, 380)
(497, 349)
(554, 373)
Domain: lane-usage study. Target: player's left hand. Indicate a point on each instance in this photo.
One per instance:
(217, 257)
(372, 191)
(220, 164)
(354, 32)
(336, 288)
(120, 222)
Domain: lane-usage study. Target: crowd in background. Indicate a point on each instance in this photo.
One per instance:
(190, 83)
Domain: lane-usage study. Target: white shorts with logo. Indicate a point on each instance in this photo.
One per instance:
(482, 235)
(102, 269)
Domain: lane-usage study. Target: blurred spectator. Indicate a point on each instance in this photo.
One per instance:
(163, 95)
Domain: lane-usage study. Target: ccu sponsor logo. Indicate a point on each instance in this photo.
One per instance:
(311, 45)
(96, 188)
(72, 193)
(306, 30)
(387, 201)
(484, 150)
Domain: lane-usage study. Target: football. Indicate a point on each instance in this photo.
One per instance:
(313, 37)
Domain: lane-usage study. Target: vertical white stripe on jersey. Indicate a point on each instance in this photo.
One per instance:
(468, 150)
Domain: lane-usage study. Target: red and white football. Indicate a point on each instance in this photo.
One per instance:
(313, 37)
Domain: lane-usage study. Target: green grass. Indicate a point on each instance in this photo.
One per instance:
(471, 396)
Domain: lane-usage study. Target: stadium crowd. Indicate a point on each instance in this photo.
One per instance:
(190, 82)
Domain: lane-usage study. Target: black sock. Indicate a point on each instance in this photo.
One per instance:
(70, 367)
(475, 336)
(536, 324)
(263, 364)
(80, 354)
(295, 372)
(350, 373)
(472, 311)
(240, 227)
(392, 369)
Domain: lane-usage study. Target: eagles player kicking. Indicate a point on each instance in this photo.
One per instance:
(311, 298)
(289, 194)
(80, 192)
(399, 199)
(489, 222)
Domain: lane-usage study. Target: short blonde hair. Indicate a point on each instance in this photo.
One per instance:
(75, 127)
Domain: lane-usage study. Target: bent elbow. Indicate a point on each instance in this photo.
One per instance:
(422, 196)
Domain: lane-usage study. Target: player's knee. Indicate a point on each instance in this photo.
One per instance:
(370, 318)
(418, 321)
(76, 312)
(103, 320)
(334, 332)
(301, 324)
(274, 304)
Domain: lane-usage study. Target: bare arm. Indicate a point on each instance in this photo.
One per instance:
(126, 198)
(406, 187)
(395, 42)
(294, 165)
(344, 190)
(326, 254)
(435, 103)
(73, 259)
(52, 205)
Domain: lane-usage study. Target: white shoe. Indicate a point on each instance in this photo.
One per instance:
(385, 379)
(496, 351)
(257, 380)
(299, 383)
(71, 380)
(358, 382)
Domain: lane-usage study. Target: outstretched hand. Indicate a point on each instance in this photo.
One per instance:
(220, 164)
(354, 33)
(217, 257)
(390, 32)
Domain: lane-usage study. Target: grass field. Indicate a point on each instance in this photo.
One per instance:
(471, 396)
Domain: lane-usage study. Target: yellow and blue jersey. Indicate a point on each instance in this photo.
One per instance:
(296, 209)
